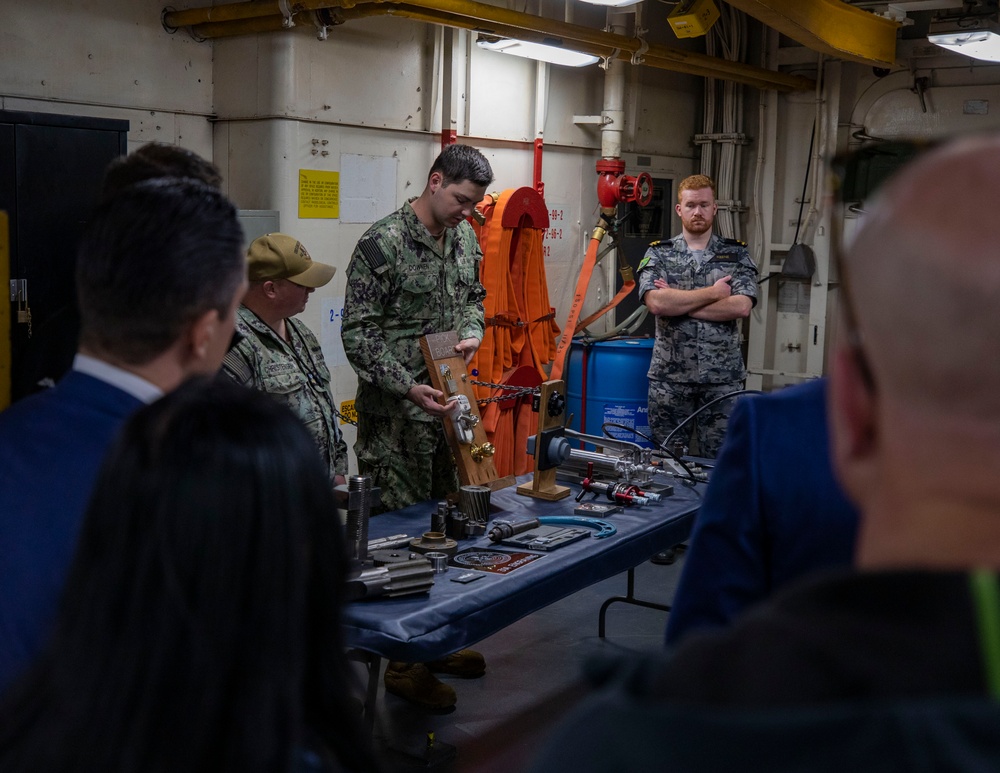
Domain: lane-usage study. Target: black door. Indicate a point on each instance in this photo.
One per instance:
(643, 225)
(51, 169)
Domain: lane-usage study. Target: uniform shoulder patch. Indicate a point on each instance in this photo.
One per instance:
(372, 254)
(237, 368)
(735, 241)
(662, 243)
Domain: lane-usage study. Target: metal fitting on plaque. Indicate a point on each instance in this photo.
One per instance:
(482, 451)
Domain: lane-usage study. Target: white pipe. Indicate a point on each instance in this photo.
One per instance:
(613, 114)
(541, 97)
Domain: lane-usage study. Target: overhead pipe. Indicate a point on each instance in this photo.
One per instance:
(216, 21)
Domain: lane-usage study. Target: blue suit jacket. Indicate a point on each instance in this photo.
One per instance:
(772, 511)
(51, 446)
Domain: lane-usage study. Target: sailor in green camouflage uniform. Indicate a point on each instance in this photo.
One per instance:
(699, 285)
(280, 355)
(416, 272)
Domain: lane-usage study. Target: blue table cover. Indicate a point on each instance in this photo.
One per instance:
(452, 615)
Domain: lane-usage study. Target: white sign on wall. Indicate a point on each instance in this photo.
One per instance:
(329, 340)
(367, 187)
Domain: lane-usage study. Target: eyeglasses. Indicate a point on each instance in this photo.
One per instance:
(854, 177)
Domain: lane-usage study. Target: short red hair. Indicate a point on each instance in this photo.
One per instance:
(695, 183)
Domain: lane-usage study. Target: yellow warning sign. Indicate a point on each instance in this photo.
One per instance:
(319, 194)
(348, 412)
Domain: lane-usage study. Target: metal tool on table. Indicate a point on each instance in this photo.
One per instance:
(618, 492)
(394, 573)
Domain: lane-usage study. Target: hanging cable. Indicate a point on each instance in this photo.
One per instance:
(735, 393)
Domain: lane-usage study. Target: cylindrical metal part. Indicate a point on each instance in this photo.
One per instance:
(433, 541)
(358, 513)
(439, 561)
(474, 501)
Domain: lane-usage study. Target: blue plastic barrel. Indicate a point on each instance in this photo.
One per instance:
(616, 387)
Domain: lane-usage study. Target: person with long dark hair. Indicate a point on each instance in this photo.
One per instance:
(199, 629)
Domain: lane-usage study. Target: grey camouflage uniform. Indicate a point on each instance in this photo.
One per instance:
(402, 285)
(695, 360)
(295, 373)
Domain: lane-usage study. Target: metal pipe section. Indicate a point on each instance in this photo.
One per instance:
(604, 441)
(359, 488)
(499, 21)
(613, 114)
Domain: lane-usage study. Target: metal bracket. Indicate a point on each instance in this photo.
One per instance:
(637, 57)
(18, 290)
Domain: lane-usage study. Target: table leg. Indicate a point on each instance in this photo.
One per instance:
(373, 667)
(628, 598)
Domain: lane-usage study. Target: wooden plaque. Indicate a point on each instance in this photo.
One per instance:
(448, 374)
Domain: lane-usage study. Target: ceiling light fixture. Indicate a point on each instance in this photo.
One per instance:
(543, 53)
(978, 41)
(613, 3)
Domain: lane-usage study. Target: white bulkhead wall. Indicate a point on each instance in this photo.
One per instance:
(791, 341)
(373, 89)
(108, 59)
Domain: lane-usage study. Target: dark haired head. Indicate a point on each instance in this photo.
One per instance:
(152, 260)
(199, 630)
(457, 163)
(156, 160)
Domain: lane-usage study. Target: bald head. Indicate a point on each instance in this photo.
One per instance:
(924, 274)
(917, 446)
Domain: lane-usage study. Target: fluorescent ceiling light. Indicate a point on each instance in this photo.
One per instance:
(538, 51)
(613, 3)
(978, 44)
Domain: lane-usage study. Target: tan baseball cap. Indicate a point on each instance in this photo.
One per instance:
(279, 256)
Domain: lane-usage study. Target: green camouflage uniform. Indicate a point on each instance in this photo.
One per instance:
(402, 285)
(694, 361)
(295, 373)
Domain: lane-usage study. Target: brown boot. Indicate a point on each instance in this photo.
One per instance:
(467, 664)
(415, 683)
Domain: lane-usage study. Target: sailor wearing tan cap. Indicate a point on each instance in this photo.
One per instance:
(280, 355)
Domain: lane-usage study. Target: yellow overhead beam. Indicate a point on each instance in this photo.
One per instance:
(266, 15)
(830, 26)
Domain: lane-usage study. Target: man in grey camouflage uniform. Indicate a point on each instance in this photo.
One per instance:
(415, 272)
(699, 285)
(280, 355)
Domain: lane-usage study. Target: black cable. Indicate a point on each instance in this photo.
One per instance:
(647, 438)
(633, 430)
(805, 184)
(709, 404)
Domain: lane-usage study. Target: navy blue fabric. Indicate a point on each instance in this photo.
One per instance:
(51, 446)
(453, 616)
(616, 733)
(842, 671)
(772, 513)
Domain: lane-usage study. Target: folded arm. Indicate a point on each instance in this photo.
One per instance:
(667, 301)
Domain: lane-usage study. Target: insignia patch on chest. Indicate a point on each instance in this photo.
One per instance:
(372, 254)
